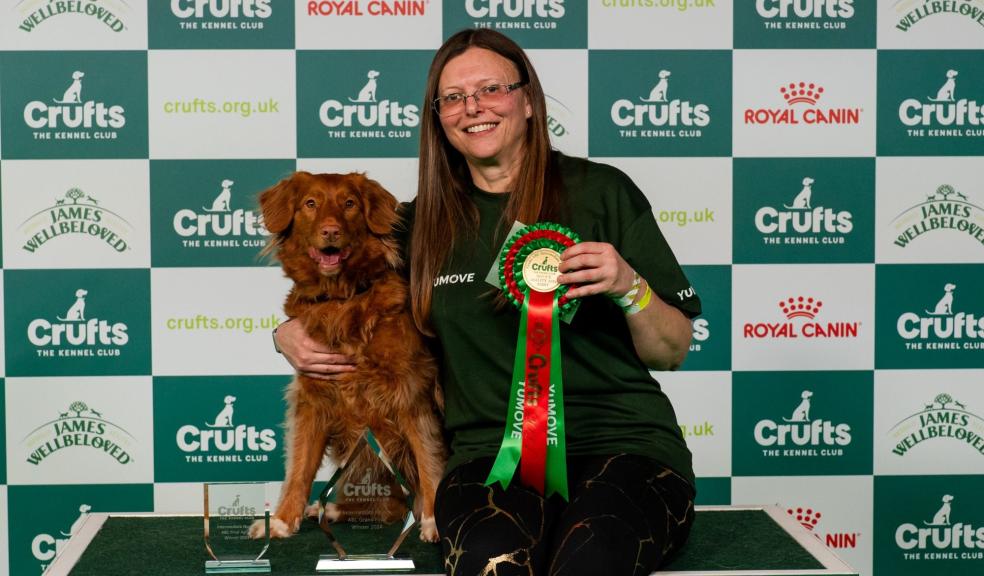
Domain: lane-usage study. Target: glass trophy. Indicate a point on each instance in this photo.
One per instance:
(366, 514)
(230, 510)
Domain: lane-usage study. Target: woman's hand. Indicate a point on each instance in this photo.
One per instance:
(307, 356)
(595, 268)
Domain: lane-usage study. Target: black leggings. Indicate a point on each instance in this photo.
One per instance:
(626, 515)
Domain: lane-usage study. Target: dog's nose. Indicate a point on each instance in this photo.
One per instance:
(331, 232)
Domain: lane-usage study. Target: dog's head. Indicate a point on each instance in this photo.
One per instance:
(806, 394)
(77, 75)
(84, 508)
(951, 73)
(807, 181)
(372, 74)
(947, 498)
(81, 293)
(950, 287)
(331, 226)
(230, 399)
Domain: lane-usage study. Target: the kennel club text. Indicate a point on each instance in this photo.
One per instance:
(784, 14)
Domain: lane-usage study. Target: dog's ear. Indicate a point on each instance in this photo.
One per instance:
(379, 207)
(279, 202)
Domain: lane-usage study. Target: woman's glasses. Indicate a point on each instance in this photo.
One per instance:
(491, 95)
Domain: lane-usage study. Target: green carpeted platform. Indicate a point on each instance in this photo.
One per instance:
(745, 541)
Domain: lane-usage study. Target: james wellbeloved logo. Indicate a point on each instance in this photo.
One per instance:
(221, 24)
(369, 105)
(76, 105)
(229, 432)
(911, 13)
(930, 103)
(944, 418)
(672, 106)
(76, 214)
(801, 313)
(41, 12)
(805, 24)
(929, 316)
(802, 107)
(801, 423)
(79, 427)
(206, 213)
(946, 210)
(532, 23)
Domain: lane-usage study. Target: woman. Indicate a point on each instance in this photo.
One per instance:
(486, 162)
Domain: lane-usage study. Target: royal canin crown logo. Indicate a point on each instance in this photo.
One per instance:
(794, 308)
(800, 307)
(809, 518)
(801, 93)
(806, 94)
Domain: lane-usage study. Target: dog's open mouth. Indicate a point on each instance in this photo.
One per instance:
(330, 257)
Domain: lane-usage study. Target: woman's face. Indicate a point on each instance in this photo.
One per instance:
(482, 135)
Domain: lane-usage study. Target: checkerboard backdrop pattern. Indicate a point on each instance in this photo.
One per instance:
(815, 164)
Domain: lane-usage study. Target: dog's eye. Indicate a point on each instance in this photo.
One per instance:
(349, 203)
(310, 203)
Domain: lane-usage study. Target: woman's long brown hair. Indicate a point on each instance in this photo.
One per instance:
(444, 213)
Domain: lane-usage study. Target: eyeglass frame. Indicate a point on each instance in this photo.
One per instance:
(510, 88)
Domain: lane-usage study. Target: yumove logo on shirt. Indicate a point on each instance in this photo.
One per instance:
(454, 279)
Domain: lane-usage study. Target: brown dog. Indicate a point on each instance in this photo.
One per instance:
(332, 235)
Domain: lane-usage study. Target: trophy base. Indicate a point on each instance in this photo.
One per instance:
(237, 566)
(359, 563)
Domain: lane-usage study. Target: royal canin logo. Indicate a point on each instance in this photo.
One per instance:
(796, 307)
(368, 8)
(809, 518)
(802, 93)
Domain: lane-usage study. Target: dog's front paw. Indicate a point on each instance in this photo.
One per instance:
(312, 510)
(278, 528)
(428, 529)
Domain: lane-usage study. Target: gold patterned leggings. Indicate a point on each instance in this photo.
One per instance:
(627, 514)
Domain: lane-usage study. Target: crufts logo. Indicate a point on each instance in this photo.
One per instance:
(44, 547)
(801, 307)
(945, 209)
(70, 111)
(789, 9)
(808, 95)
(944, 110)
(810, 224)
(367, 7)
(367, 111)
(942, 326)
(77, 214)
(909, 16)
(943, 418)
(657, 109)
(220, 226)
(515, 9)
(940, 538)
(208, 9)
(810, 437)
(79, 427)
(75, 330)
(236, 509)
(95, 9)
(223, 436)
(368, 486)
(700, 332)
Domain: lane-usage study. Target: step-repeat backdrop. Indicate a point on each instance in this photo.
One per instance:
(816, 165)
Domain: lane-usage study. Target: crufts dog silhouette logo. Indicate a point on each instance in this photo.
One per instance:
(73, 95)
(224, 418)
(368, 92)
(942, 516)
(77, 525)
(221, 202)
(76, 313)
(802, 411)
(660, 90)
(948, 89)
(802, 199)
(944, 307)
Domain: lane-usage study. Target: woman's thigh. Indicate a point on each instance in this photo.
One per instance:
(627, 514)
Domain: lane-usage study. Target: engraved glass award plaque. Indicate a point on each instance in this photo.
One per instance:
(230, 510)
(367, 512)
